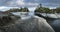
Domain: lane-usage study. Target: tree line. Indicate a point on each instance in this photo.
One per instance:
(39, 9)
(25, 9)
(47, 10)
(42, 9)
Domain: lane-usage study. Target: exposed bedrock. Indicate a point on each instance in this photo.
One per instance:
(33, 24)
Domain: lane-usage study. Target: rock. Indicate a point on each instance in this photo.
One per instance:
(33, 24)
(7, 18)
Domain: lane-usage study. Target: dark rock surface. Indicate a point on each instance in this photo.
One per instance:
(7, 18)
(54, 22)
(33, 24)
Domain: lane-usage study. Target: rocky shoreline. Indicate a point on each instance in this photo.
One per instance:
(13, 23)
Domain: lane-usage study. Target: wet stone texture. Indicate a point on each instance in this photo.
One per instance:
(15, 24)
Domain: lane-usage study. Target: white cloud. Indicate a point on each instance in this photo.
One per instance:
(32, 3)
(20, 2)
(52, 7)
(28, 3)
(32, 9)
(15, 3)
(4, 8)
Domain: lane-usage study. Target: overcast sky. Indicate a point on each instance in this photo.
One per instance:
(7, 4)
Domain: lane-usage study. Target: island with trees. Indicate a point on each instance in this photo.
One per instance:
(42, 9)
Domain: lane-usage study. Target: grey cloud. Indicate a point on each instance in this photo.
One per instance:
(53, 1)
(48, 3)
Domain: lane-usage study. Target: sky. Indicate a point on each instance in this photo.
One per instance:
(7, 4)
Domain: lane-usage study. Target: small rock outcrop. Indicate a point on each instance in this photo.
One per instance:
(6, 18)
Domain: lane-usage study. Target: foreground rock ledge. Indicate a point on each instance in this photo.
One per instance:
(33, 24)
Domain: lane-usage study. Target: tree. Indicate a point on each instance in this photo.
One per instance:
(18, 10)
(42, 9)
(57, 10)
(25, 9)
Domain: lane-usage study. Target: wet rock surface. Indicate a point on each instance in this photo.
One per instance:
(54, 22)
(33, 24)
(7, 18)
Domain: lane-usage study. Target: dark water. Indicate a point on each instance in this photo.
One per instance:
(52, 19)
(55, 24)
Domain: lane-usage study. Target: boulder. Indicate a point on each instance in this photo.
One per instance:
(33, 24)
(7, 18)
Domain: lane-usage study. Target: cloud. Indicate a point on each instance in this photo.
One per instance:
(29, 3)
(31, 9)
(4, 8)
(47, 3)
(15, 3)
(21, 3)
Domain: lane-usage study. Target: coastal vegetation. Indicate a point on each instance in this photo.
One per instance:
(42, 9)
(25, 9)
